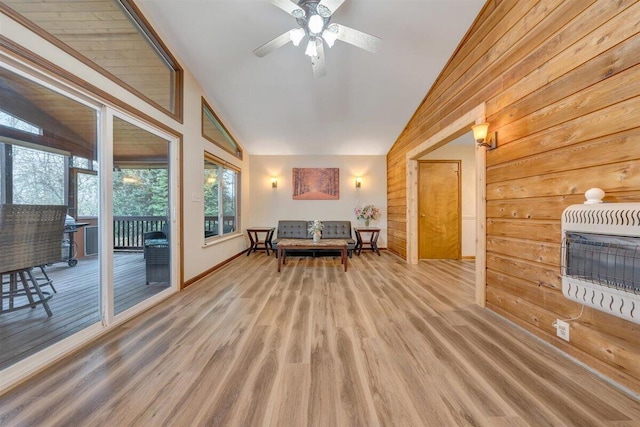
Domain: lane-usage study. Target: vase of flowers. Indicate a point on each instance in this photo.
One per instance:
(315, 228)
(367, 213)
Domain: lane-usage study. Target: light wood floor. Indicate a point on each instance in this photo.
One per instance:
(384, 344)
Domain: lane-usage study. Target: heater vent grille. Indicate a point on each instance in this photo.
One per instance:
(601, 257)
(623, 217)
(603, 300)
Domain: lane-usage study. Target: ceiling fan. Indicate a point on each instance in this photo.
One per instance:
(313, 17)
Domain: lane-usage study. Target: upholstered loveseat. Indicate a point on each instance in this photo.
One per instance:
(288, 229)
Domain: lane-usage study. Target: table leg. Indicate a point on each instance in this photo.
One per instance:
(374, 242)
(344, 259)
(252, 245)
(279, 258)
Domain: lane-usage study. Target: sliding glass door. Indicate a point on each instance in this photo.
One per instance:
(113, 254)
(44, 298)
(141, 214)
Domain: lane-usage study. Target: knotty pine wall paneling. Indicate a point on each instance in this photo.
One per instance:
(561, 83)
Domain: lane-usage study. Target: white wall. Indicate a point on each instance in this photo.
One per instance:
(198, 257)
(463, 149)
(268, 205)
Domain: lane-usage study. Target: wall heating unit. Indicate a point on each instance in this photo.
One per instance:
(601, 257)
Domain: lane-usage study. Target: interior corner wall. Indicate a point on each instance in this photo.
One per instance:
(198, 257)
(268, 205)
(560, 81)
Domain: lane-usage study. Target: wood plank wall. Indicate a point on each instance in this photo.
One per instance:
(561, 82)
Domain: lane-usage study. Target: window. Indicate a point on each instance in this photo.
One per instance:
(38, 177)
(113, 35)
(14, 122)
(82, 163)
(214, 131)
(85, 197)
(221, 184)
(87, 188)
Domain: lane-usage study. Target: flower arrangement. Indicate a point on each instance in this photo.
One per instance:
(367, 213)
(316, 227)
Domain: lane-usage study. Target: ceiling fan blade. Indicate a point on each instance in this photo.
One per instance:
(358, 38)
(290, 7)
(272, 45)
(330, 7)
(318, 62)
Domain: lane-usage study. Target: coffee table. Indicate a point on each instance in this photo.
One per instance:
(285, 245)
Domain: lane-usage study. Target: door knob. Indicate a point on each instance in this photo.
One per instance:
(422, 215)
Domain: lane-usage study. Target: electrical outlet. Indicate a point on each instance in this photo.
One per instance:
(562, 329)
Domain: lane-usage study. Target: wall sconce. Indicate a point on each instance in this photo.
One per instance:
(274, 182)
(358, 182)
(480, 134)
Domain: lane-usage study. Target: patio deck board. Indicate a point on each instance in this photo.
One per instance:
(75, 306)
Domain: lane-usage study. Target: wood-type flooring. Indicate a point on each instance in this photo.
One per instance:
(386, 343)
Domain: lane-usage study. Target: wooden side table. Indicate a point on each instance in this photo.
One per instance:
(372, 242)
(256, 242)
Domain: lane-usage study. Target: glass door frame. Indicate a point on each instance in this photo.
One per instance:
(105, 241)
(104, 115)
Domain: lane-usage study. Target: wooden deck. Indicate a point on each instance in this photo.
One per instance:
(384, 344)
(75, 306)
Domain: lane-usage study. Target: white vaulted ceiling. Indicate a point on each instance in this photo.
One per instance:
(274, 105)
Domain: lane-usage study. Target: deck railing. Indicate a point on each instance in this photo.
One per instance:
(128, 231)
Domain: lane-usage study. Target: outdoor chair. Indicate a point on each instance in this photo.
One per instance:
(153, 238)
(30, 236)
(157, 263)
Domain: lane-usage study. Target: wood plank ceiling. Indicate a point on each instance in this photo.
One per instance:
(101, 31)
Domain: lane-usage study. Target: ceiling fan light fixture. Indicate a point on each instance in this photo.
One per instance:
(316, 24)
(296, 36)
(312, 50)
(298, 13)
(314, 19)
(323, 11)
(330, 35)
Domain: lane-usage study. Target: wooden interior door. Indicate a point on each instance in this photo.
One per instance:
(439, 221)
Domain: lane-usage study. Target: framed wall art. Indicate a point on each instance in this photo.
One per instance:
(316, 183)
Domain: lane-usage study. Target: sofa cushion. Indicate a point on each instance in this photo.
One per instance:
(336, 230)
(288, 229)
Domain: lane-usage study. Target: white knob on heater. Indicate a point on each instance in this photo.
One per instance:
(594, 196)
